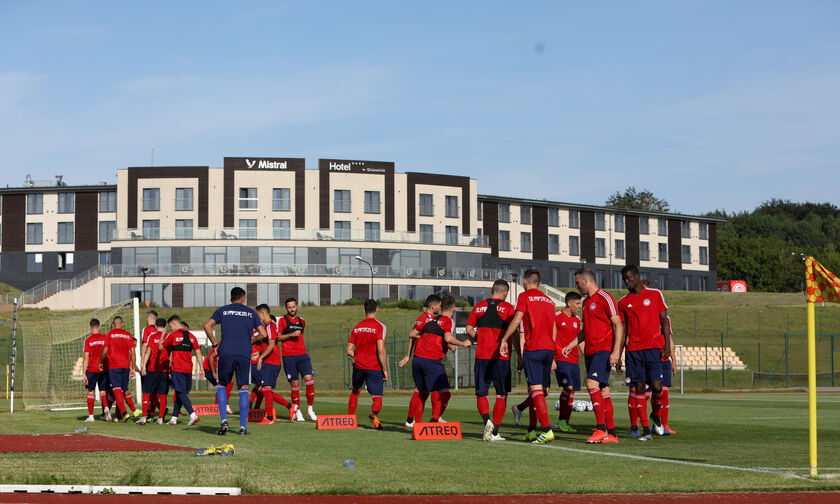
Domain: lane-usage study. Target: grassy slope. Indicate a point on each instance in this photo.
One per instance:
(759, 430)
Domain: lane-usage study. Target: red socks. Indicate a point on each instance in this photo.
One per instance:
(354, 402)
(377, 404)
(499, 409)
(656, 407)
(91, 401)
(609, 413)
(153, 403)
(161, 404)
(310, 392)
(436, 406)
(566, 404)
(538, 400)
(444, 401)
(145, 404)
(666, 406)
(130, 401)
(103, 398)
(483, 405)
(268, 398)
(279, 399)
(119, 400)
(296, 395)
(598, 405)
(641, 409)
(631, 407)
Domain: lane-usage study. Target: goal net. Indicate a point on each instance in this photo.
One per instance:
(50, 351)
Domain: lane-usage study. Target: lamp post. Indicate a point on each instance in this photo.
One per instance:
(359, 258)
(143, 270)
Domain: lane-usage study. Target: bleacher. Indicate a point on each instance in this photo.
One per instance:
(695, 358)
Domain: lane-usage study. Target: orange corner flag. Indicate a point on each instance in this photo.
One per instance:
(822, 286)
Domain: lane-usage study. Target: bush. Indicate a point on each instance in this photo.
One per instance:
(404, 304)
(353, 302)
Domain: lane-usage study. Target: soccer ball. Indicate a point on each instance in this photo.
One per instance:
(579, 406)
(557, 404)
(588, 405)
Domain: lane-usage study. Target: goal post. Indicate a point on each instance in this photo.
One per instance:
(50, 353)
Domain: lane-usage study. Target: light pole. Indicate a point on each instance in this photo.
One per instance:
(359, 258)
(143, 270)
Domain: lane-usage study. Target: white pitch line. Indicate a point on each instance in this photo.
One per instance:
(667, 460)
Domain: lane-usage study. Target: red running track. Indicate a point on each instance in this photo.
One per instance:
(76, 442)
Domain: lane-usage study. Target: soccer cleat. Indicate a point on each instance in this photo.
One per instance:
(409, 425)
(311, 413)
(299, 416)
(293, 410)
(159, 421)
(137, 413)
(565, 427)
(243, 431)
(125, 418)
(441, 420)
(531, 436)
(610, 439)
(142, 421)
(645, 437)
(225, 450)
(488, 430)
(266, 421)
(545, 438)
(375, 421)
(193, 419)
(517, 415)
(668, 430)
(223, 428)
(634, 430)
(657, 425)
(496, 437)
(598, 436)
(90, 419)
(172, 421)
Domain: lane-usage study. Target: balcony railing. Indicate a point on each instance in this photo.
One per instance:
(304, 270)
(250, 233)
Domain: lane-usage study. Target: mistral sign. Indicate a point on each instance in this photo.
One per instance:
(266, 164)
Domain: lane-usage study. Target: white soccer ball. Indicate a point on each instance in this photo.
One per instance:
(588, 405)
(557, 404)
(579, 406)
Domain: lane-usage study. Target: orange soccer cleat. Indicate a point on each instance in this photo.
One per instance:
(598, 436)
(266, 421)
(293, 409)
(669, 430)
(610, 439)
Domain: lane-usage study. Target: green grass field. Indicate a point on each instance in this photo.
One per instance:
(756, 431)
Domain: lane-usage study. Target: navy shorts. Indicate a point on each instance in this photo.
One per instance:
(156, 382)
(118, 378)
(373, 378)
(297, 365)
(644, 366)
(234, 364)
(181, 382)
(492, 371)
(567, 374)
(429, 375)
(208, 375)
(256, 378)
(666, 373)
(537, 364)
(269, 374)
(95, 379)
(598, 367)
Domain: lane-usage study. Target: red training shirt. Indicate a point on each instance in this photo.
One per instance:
(432, 344)
(294, 345)
(158, 359)
(257, 349)
(181, 360)
(119, 343)
(490, 325)
(275, 356)
(538, 319)
(93, 346)
(640, 314)
(364, 336)
(568, 327)
(597, 328)
(148, 331)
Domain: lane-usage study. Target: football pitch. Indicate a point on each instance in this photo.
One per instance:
(758, 441)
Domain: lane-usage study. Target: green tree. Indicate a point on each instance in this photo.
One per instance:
(644, 200)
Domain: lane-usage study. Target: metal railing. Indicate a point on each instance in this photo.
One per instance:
(268, 233)
(50, 287)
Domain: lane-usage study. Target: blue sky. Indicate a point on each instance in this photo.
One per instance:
(708, 104)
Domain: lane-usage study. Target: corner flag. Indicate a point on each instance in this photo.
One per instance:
(821, 286)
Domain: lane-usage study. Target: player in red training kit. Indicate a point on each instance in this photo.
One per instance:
(669, 370)
(154, 368)
(418, 399)
(366, 348)
(180, 344)
(567, 367)
(487, 322)
(602, 332)
(295, 359)
(93, 375)
(269, 364)
(122, 363)
(644, 312)
(535, 315)
(151, 320)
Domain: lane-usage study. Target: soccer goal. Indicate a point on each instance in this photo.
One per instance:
(50, 352)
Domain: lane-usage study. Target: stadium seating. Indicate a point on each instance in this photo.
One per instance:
(695, 358)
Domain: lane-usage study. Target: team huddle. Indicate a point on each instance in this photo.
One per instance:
(254, 346)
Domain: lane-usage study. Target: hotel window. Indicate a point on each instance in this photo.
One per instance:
(619, 223)
(427, 233)
(663, 227)
(704, 283)
(372, 202)
(106, 231)
(65, 232)
(553, 217)
(65, 261)
(34, 204)
(183, 199)
(574, 219)
(151, 199)
(619, 249)
(451, 206)
(525, 242)
(686, 229)
(644, 251)
(504, 240)
(452, 235)
(248, 228)
(184, 229)
(554, 244)
(247, 198)
(66, 202)
(524, 214)
(34, 263)
(504, 212)
(427, 203)
(34, 233)
(600, 221)
(686, 254)
(281, 199)
(342, 230)
(282, 229)
(574, 246)
(480, 215)
(686, 282)
(151, 229)
(663, 252)
(644, 225)
(108, 201)
(600, 247)
(703, 228)
(704, 255)
(371, 231)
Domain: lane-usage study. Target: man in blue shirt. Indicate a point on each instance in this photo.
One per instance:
(238, 323)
